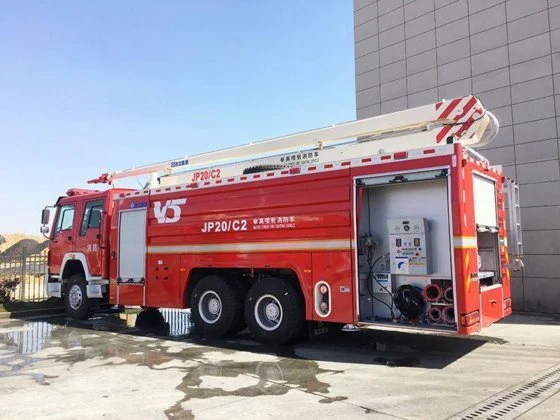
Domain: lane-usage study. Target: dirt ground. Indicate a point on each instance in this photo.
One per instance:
(29, 242)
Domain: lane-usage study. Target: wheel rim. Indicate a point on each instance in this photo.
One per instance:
(75, 297)
(268, 312)
(210, 307)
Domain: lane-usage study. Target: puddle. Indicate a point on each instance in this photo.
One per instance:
(208, 369)
(236, 367)
(42, 379)
(267, 378)
(28, 338)
(171, 323)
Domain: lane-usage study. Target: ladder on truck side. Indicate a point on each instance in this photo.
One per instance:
(514, 216)
(461, 120)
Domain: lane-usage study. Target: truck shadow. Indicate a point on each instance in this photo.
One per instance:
(372, 347)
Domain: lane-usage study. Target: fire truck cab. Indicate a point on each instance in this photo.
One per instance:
(405, 226)
(79, 248)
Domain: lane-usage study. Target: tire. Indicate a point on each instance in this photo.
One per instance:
(78, 305)
(216, 306)
(274, 311)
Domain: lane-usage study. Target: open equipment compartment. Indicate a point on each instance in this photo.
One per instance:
(405, 266)
(487, 231)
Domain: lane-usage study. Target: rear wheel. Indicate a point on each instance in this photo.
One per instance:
(78, 305)
(216, 306)
(274, 311)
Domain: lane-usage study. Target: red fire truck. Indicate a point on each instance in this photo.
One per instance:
(389, 221)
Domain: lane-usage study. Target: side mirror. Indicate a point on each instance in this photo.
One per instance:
(45, 217)
(45, 230)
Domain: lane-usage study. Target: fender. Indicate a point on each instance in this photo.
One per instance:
(94, 283)
(71, 256)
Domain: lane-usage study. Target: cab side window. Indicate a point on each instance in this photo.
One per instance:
(92, 216)
(65, 219)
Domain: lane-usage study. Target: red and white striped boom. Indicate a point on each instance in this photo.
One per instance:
(462, 120)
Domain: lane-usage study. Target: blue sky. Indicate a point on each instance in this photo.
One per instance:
(90, 87)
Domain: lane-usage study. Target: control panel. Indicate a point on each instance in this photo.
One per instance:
(409, 246)
(381, 283)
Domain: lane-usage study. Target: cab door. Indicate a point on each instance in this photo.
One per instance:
(88, 240)
(63, 235)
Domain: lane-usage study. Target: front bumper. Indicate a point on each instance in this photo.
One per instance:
(95, 288)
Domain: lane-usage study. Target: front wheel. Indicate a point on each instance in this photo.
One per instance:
(78, 305)
(274, 311)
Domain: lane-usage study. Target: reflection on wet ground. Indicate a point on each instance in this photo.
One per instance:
(105, 337)
(172, 324)
(233, 367)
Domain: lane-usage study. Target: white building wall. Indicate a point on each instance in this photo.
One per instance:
(507, 52)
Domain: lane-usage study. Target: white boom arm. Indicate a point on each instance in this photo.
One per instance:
(461, 120)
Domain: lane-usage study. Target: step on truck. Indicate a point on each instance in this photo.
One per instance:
(392, 221)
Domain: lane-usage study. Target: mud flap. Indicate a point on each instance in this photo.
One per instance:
(54, 289)
(94, 291)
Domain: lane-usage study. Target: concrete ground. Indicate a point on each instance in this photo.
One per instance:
(106, 367)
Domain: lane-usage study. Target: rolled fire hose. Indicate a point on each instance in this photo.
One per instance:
(448, 294)
(432, 292)
(410, 302)
(434, 314)
(448, 313)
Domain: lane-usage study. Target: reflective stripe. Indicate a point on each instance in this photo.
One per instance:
(465, 242)
(338, 244)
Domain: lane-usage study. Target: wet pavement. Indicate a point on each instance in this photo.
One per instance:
(116, 366)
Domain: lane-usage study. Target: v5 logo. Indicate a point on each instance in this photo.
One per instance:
(161, 211)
